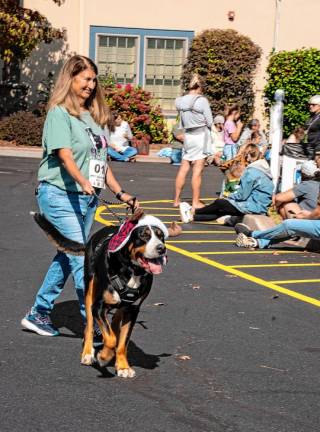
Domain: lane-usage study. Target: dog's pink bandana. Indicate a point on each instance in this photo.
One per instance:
(121, 238)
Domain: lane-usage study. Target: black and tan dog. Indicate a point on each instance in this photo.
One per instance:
(119, 268)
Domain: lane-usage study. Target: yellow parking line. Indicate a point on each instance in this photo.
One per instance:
(247, 276)
(207, 232)
(247, 252)
(199, 241)
(162, 208)
(297, 281)
(275, 265)
(153, 214)
(98, 217)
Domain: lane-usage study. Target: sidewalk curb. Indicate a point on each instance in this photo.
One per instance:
(36, 153)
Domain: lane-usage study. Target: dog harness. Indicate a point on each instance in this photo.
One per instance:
(127, 295)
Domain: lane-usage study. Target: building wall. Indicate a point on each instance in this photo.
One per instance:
(298, 25)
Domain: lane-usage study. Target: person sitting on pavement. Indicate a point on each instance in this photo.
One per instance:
(305, 224)
(258, 138)
(303, 196)
(234, 168)
(120, 136)
(233, 176)
(217, 140)
(253, 196)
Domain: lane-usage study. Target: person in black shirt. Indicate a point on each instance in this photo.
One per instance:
(313, 127)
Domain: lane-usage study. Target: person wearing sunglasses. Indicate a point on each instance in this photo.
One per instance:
(313, 127)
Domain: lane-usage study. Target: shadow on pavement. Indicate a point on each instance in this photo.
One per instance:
(67, 314)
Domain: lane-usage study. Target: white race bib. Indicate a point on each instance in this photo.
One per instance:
(97, 173)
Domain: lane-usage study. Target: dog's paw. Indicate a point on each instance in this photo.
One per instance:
(88, 359)
(102, 362)
(126, 373)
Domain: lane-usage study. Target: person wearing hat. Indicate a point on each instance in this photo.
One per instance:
(313, 127)
(217, 133)
(303, 196)
(217, 140)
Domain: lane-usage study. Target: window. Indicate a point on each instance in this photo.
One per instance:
(163, 68)
(151, 58)
(118, 55)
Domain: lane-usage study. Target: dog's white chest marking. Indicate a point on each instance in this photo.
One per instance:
(134, 282)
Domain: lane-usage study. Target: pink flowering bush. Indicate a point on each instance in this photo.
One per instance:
(138, 109)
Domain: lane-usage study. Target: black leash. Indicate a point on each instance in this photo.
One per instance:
(130, 206)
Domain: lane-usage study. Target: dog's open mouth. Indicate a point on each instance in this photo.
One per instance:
(152, 265)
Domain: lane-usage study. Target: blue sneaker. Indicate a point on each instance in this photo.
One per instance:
(40, 324)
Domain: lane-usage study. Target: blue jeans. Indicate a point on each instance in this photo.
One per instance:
(72, 214)
(230, 151)
(287, 229)
(124, 156)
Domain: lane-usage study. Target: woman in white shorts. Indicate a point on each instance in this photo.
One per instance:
(196, 119)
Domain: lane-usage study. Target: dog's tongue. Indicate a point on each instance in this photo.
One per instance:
(155, 267)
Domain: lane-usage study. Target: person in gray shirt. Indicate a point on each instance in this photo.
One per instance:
(253, 126)
(303, 196)
(196, 120)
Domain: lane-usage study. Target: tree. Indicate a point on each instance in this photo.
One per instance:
(21, 31)
(298, 74)
(226, 62)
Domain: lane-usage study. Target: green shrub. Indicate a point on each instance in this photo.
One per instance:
(226, 62)
(137, 107)
(298, 74)
(23, 127)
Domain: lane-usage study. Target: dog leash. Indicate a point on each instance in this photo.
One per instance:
(109, 203)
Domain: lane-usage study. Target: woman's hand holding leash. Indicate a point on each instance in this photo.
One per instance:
(87, 187)
(132, 202)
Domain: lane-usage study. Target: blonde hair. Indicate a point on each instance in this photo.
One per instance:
(195, 82)
(63, 94)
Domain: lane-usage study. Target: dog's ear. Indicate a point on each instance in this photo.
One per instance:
(138, 213)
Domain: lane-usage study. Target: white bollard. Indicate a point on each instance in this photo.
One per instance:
(276, 133)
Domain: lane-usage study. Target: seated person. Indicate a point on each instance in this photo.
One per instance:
(303, 196)
(233, 168)
(217, 140)
(177, 144)
(306, 224)
(253, 127)
(294, 145)
(253, 196)
(232, 179)
(119, 146)
(297, 136)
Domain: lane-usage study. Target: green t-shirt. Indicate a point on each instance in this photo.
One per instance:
(62, 130)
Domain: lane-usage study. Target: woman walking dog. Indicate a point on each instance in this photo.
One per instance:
(73, 170)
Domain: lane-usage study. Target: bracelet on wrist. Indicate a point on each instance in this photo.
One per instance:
(119, 194)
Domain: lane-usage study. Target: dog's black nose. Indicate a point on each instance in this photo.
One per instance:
(161, 249)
